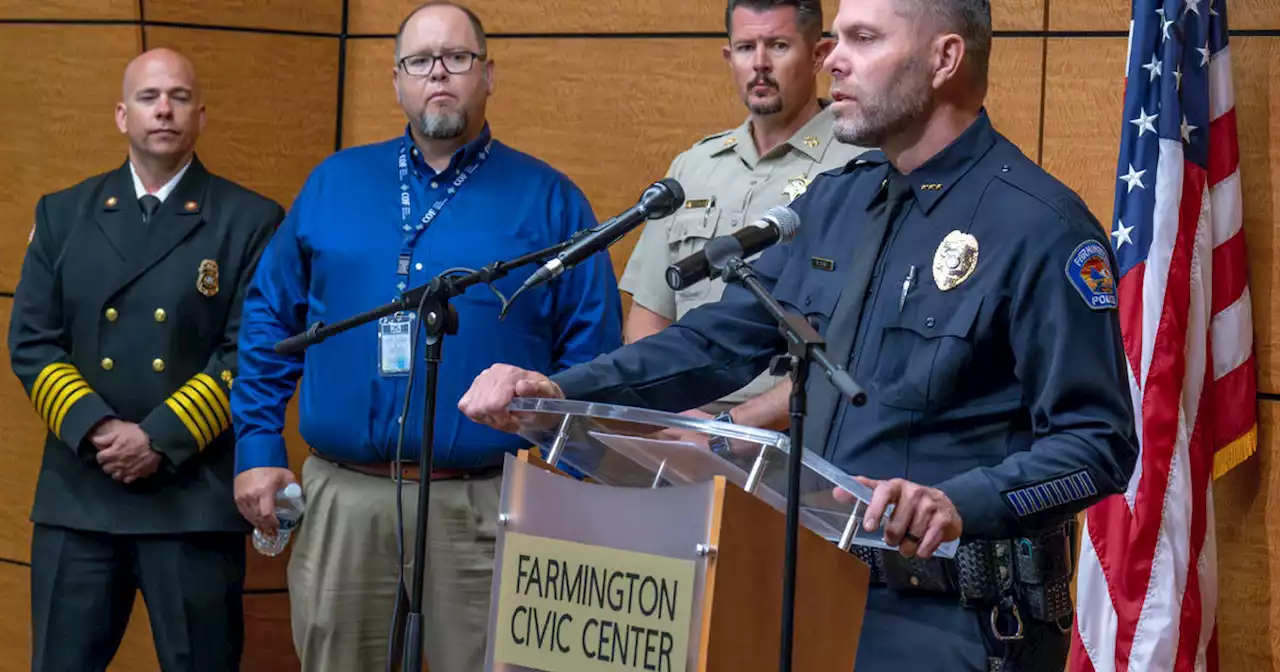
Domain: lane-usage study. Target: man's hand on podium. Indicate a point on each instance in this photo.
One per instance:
(492, 391)
(922, 519)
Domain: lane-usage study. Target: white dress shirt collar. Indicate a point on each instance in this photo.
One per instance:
(163, 192)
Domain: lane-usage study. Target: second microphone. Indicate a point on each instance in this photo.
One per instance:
(778, 225)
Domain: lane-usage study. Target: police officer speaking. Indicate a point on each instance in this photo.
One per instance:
(124, 336)
(973, 296)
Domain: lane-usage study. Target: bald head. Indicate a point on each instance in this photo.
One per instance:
(159, 64)
(160, 107)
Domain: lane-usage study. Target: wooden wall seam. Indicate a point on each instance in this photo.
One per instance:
(342, 74)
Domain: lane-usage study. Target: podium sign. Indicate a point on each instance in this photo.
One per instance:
(577, 606)
(591, 577)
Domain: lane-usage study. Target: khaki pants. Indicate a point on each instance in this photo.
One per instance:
(344, 566)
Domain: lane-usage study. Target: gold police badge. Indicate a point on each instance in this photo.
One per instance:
(954, 260)
(207, 279)
(796, 187)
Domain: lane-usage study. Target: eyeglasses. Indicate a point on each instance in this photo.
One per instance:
(455, 63)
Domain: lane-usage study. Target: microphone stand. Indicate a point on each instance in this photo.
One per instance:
(804, 345)
(431, 302)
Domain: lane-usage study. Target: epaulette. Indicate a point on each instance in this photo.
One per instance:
(713, 136)
(869, 158)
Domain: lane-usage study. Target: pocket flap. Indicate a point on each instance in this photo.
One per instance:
(936, 318)
(691, 223)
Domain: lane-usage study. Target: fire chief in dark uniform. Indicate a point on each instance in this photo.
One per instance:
(124, 334)
(973, 296)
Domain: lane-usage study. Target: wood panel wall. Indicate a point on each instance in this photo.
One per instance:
(608, 91)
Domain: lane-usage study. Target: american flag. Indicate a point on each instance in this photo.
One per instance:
(1147, 579)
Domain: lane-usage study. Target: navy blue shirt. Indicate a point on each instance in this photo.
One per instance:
(337, 254)
(999, 378)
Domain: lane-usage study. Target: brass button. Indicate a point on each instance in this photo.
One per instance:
(157, 364)
(108, 364)
(160, 315)
(112, 314)
(915, 580)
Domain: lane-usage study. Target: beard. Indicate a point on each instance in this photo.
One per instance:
(443, 126)
(880, 118)
(763, 107)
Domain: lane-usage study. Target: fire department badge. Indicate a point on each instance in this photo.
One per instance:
(207, 279)
(954, 260)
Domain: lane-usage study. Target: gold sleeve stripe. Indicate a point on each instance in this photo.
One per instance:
(197, 413)
(49, 389)
(204, 409)
(38, 387)
(79, 394)
(59, 404)
(181, 412)
(58, 387)
(217, 400)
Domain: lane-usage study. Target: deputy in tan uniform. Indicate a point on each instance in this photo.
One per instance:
(731, 178)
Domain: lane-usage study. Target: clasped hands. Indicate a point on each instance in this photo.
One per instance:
(124, 450)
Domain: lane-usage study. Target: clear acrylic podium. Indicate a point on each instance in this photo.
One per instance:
(660, 554)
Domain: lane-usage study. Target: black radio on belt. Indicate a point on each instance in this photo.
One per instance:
(1043, 559)
(1044, 567)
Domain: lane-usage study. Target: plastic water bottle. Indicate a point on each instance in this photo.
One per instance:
(289, 510)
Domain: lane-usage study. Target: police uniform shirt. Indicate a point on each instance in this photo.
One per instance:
(989, 343)
(727, 186)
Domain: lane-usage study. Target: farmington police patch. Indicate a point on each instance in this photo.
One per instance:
(1090, 273)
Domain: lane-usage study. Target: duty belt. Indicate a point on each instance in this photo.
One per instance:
(997, 575)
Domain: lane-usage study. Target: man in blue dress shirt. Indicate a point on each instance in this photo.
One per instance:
(371, 222)
(973, 296)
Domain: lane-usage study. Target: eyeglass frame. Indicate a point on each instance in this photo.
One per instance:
(439, 58)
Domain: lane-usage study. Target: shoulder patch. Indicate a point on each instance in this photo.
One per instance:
(1089, 271)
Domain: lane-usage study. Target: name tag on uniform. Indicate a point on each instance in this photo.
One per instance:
(395, 344)
(823, 264)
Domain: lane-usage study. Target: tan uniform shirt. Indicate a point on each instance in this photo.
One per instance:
(727, 186)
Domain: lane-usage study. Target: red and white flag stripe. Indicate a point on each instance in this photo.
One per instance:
(1147, 575)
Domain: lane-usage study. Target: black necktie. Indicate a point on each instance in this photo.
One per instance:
(843, 330)
(149, 205)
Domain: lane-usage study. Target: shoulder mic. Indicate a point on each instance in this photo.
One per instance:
(660, 200)
(779, 224)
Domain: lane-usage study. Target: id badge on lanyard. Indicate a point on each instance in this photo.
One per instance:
(396, 332)
(395, 344)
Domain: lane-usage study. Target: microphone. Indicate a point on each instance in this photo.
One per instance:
(659, 200)
(778, 225)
